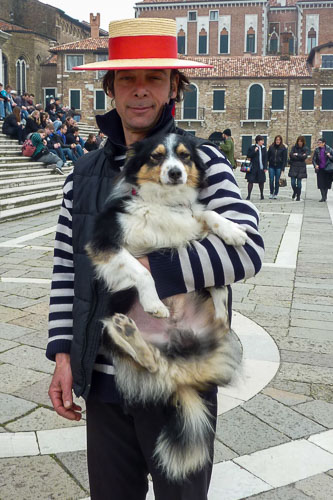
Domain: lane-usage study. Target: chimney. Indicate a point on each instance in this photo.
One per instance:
(94, 25)
(284, 43)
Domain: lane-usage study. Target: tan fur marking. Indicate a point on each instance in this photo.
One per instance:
(181, 148)
(160, 150)
(147, 174)
(98, 257)
(192, 175)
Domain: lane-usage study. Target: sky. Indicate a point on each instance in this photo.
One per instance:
(81, 9)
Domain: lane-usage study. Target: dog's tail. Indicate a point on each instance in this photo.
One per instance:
(184, 445)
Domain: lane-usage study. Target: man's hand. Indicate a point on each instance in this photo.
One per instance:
(144, 261)
(60, 390)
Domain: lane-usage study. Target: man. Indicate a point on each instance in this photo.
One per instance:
(3, 99)
(227, 146)
(53, 142)
(120, 437)
(68, 149)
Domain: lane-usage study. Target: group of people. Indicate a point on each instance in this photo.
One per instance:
(275, 161)
(53, 132)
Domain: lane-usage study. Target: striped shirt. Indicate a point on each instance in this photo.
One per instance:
(209, 262)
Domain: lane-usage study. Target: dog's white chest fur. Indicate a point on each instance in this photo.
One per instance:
(153, 224)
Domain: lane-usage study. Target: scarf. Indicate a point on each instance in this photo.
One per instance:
(260, 159)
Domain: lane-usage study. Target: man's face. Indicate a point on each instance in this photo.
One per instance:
(140, 96)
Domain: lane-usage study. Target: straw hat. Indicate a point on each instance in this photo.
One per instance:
(143, 43)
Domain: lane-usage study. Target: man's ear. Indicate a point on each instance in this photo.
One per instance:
(174, 87)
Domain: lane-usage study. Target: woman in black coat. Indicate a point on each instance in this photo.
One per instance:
(297, 171)
(257, 175)
(277, 160)
(322, 156)
(12, 125)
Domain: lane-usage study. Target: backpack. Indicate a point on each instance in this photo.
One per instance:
(28, 148)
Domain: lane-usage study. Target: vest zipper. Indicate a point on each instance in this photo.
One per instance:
(85, 343)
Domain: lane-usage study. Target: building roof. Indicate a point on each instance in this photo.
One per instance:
(251, 67)
(51, 60)
(8, 27)
(85, 45)
(318, 49)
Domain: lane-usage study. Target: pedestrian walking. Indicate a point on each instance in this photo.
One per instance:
(277, 161)
(228, 147)
(144, 80)
(297, 171)
(323, 163)
(257, 175)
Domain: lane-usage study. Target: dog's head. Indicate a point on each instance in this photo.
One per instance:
(169, 160)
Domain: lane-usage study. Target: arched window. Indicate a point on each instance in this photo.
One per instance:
(190, 109)
(224, 41)
(4, 70)
(251, 40)
(203, 42)
(274, 43)
(312, 39)
(181, 42)
(21, 75)
(256, 100)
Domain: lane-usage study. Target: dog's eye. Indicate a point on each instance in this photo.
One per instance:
(184, 156)
(156, 157)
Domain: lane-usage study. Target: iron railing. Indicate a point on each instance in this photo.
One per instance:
(255, 114)
(190, 114)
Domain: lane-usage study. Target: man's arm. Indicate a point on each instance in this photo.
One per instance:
(211, 262)
(60, 316)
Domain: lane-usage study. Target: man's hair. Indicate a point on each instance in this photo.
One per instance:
(8, 87)
(1, 84)
(41, 131)
(50, 126)
(63, 125)
(259, 138)
(321, 139)
(108, 83)
(75, 129)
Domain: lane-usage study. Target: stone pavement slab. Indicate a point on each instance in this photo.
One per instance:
(319, 487)
(37, 478)
(13, 378)
(319, 411)
(76, 464)
(12, 408)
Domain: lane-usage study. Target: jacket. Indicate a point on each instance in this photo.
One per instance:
(297, 162)
(277, 156)
(10, 125)
(31, 126)
(254, 156)
(229, 149)
(315, 158)
(41, 149)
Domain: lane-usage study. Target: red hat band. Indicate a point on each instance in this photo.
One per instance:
(143, 47)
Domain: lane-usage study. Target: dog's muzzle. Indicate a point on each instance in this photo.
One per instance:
(175, 176)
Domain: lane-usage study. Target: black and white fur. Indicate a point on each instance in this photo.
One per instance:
(155, 206)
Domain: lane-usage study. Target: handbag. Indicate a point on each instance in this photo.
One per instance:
(246, 166)
(329, 167)
(282, 180)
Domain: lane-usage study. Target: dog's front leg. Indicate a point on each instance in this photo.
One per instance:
(230, 232)
(121, 271)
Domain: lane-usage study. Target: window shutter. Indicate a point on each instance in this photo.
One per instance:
(100, 99)
(224, 44)
(327, 99)
(328, 136)
(202, 44)
(246, 143)
(218, 100)
(278, 99)
(75, 100)
(307, 99)
(181, 44)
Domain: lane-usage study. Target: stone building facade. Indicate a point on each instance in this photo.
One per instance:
(33, 28)
(245, 27)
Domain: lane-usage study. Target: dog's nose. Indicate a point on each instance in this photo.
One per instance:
(175, 174)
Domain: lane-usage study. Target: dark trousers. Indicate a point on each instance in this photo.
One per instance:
(120, 444)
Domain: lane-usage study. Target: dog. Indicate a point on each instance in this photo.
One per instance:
(155, 206)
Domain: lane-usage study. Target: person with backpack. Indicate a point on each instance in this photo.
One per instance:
(43, 154)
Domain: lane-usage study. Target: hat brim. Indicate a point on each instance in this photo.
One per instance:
(126, 64)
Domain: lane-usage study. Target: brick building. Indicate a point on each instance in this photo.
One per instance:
(244, 27)
(28, 28)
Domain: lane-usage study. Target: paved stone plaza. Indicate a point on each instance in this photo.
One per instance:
(275, 425)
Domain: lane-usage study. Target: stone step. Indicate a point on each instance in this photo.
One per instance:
(22, 173)
(13, 159)
(29, 210)
(22, 164)
(48, 178)
(30, 199)
(15, 191)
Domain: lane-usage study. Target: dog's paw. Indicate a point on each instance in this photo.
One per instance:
(158, 309)
(233, 234)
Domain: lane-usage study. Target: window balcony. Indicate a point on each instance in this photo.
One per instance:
(190, 115)
(255, 115)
